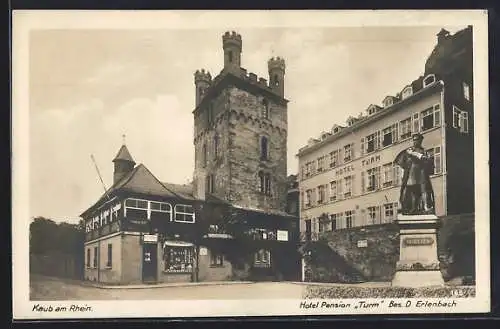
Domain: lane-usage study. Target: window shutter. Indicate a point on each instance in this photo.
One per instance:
(362, 182)
(416, 123)
(362, 146)
(465, 122)
(437, 115)
(339, 189)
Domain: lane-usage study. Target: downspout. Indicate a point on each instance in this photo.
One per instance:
(444, 157)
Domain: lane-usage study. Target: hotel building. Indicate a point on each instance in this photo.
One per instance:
(347, 176)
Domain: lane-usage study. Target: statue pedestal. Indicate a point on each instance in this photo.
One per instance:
(418, 264)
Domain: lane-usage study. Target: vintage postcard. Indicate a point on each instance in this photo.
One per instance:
(249, 163)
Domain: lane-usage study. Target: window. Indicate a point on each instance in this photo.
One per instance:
(265, 183)
(321, 193)
(388, 102)
(216, 260)
(308, 229)
(109, 263)
(405, 128)
(390, 135)
(430, 79)
(276, 80)
(373, 215)
(436, 154)
(437, 160)
(159, 209)
(88, 257)
(333, 191)
(431, 117)
(178, 259)
(308, 198)
(372, 142)
(263, 148)
(216, 146)
(388, 173)
(95, 257)
(262, 258)
(348, 152)
(460, 120)
(334, 158)
(389, 212)
(184, 213)
(339, 190)
(210, 185)
(373, 179)
(230, 56)
(372, 110)
(204, 155)
(321, 163)
(466, 90)
(200, 91)
(349, 218)
(324, 224)
(210, 113)
(348, 186)
(407, 92)
(265, 109)
(333, 220)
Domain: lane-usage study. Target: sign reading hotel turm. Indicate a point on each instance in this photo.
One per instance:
(418, 263)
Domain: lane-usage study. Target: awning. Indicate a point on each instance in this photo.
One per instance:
(177, 244)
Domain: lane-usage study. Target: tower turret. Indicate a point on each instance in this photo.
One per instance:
(232, 45)
(202, 81)
(123, 164)
(276, 67)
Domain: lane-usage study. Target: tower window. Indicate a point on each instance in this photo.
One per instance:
(200, 91)
(204, 155)
(265, 183)
(230, 56)
(263, 148)
(265, 109)
(210, 184)
(216, 146)
(276, 81)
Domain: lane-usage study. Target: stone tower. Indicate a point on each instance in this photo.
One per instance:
(240, 133)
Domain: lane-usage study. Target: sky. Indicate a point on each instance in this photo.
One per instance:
(88, 88)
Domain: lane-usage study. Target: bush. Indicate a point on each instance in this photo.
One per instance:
(386, 292)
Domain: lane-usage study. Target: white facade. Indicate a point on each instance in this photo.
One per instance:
(349, 176)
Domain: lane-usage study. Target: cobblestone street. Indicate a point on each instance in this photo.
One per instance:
(45, 288)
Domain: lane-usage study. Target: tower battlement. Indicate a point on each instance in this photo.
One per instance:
(276, 63)
(231, 38)
(202, 75)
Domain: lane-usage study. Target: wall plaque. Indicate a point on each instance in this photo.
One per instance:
(418, 241)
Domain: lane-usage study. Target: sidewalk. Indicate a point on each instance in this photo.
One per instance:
(38, 277)
(163, 285)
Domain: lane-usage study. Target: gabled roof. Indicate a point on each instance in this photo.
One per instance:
(123, 154)
(138, 180)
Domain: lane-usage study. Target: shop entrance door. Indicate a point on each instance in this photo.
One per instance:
(149, 262)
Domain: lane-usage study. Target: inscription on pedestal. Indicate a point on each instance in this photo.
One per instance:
(418, 241)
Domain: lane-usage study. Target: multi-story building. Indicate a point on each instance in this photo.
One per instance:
(347, 175)
(231, 223)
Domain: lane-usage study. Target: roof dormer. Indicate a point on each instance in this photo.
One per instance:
(336, 129)
(389, 101)
(351, 121)
(372, 109)
(428, 80)
(407, 92)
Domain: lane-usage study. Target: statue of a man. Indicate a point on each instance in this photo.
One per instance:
(416, 195)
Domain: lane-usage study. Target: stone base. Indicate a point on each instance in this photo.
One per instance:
(417, 279)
